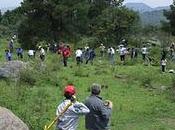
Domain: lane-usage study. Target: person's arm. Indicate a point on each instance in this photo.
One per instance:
(80, 108)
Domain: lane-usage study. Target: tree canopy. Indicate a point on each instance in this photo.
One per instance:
(108, 21)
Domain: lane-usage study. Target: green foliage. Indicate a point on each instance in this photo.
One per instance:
(91, 41)
(170, 25)
(59, 20)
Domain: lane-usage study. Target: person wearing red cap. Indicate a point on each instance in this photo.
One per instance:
(69, 120)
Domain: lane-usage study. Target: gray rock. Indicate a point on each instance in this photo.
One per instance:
(12, 69)
(8, 121)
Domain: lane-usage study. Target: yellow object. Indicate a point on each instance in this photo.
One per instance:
(56, 118)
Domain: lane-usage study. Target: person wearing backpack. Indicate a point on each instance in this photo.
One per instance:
(74, 109)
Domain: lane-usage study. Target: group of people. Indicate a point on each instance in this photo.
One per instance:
(97, 111)
(87, 54)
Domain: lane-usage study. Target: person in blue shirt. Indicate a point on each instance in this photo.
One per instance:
(8, 55)
(19, 52)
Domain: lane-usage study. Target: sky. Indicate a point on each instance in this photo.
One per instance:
(152, 3)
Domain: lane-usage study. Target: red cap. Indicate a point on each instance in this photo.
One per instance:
(69, 89)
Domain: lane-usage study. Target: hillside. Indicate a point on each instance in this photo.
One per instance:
(3, 10)
(148, 15)
(141, 95)
(152, 18)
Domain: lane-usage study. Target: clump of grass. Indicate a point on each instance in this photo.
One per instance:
(27, 77)
(147, 82)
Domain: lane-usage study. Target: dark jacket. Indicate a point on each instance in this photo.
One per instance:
(99, 115)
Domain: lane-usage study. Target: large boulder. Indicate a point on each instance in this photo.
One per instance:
(8, 121)
(11, 69)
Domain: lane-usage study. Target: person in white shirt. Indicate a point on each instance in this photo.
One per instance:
(42, 54)
(78, 54)
(31, 53)
(102, 50)
(111, 55)
(144, 51)
(163, 64)
(74, 109)
(86, 47)
(122, 52)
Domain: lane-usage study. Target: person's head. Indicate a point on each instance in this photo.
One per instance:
(69, 91)
(95, 89)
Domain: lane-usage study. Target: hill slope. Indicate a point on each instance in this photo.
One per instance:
(148, 15)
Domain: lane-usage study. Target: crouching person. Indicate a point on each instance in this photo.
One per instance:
(69, 120)
(100, 111)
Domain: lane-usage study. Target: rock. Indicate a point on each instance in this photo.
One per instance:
(163, 88)
(8, 121)
(171, 71)
(12, 69)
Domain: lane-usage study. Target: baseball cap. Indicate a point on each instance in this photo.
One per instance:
(69, 89)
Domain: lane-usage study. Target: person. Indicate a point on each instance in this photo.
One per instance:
(19, 52)
(66, 52)
(42, 54)
(11, 45)
(111, 55)
(102, 50)
(69, 120)
(133, 52)
(122, 52)
(163, 64)
(100, 111)
(8, 55)
(31, 53)
(144, 51)
(78, 54)
(86, 47)
(90, 55)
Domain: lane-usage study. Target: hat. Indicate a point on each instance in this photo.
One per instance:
(69, 89)
(96, 89)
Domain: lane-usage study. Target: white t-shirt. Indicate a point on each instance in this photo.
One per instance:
(78, 53)
(31, 52)
(163, 62)
(42, 51)
(102, 48)
(144, 50)
(122, 51)
(112, 51)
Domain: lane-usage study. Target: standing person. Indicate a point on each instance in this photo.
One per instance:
(78, 54)
(31, 53)
(102, 50)
(69, 120)
(91, 55)
(144, 51)
(19, 52)
(122, 52)
(111, 55)
(132, 53)
(66, 52)
(100, 111)
(86, 47)
(8, 55)
(11, 46)
(163, 64)
(42, 54)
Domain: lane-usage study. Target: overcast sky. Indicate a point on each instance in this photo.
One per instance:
(152, 3)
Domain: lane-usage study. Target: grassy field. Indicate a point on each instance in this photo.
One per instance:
(143, 97)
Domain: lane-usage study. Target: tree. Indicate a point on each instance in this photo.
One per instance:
(170, 15)
(114, 24)
(0, 16)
